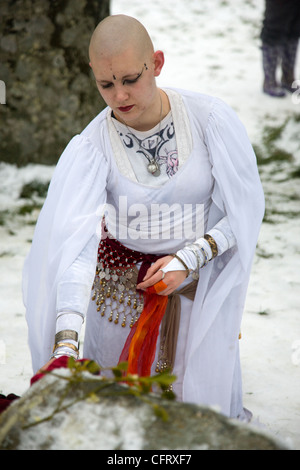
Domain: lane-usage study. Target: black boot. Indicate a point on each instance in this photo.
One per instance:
(271, 56)
(289, 54)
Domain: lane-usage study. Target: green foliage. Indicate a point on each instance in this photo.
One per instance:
(135, 384)
(269, 151)
(273, 133)
(34, 188)
(139, 387)
(295, 173)
(28, 209)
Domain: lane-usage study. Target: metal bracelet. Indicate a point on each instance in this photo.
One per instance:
(66, 334)
(183, 263)
(66, 345)
(212, 243)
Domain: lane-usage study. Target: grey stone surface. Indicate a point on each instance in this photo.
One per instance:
(88, 414)
(50, 90)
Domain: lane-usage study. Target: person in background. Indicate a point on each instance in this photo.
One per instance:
(280, 36)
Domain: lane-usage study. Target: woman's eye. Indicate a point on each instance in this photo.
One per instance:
(106, 86)
(134, 80)
(126, 82)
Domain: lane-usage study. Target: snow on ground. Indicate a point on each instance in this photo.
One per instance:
(213, 47)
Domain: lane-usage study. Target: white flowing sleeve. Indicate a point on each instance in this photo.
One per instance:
(212, 358)
(70, 218)
(74, 289)
(223, 235)
(238, 192)
(197, 254)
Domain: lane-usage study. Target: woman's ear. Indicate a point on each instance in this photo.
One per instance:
(159, 60)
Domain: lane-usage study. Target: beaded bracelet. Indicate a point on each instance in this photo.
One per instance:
(196, 253)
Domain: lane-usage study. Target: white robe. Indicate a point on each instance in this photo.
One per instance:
(221, 173)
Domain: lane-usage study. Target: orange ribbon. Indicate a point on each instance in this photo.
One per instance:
(140, 346)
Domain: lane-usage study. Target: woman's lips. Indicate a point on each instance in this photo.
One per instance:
(125, 109)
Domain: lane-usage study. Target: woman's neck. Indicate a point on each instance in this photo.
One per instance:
(160, 110)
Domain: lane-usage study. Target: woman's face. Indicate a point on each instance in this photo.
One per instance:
(127, 84)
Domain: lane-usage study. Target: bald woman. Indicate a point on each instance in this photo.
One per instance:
(148, 230)
(120, 45)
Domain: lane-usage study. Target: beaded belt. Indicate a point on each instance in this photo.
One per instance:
(116, 278)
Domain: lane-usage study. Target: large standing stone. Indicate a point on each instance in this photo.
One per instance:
(89, 414)
(44, 67)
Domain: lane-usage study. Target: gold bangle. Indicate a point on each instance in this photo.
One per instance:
(183, 263)
(67, 345)
(212, 244)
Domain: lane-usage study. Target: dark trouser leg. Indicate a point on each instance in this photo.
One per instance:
(289, 54)
(271, 56)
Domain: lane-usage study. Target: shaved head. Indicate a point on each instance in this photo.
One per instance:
(125, 67)
(115, 34)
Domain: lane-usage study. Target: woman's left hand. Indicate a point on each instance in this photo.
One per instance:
(173, 279)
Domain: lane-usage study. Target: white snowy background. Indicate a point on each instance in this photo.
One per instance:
(211, 46)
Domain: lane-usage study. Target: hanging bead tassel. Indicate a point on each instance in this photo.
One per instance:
(114, 291)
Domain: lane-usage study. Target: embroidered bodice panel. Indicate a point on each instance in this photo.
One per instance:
(157, 144)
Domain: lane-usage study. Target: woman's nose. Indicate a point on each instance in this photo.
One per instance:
(121, 94)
